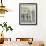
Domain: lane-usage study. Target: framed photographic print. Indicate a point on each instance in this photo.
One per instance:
(28, 13)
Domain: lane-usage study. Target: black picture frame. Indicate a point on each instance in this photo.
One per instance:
(31, 4)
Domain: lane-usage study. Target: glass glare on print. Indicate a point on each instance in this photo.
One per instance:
(27, 13)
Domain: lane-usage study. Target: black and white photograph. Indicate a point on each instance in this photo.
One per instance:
(28, 13)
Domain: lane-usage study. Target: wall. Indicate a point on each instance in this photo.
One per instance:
(38, 32)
